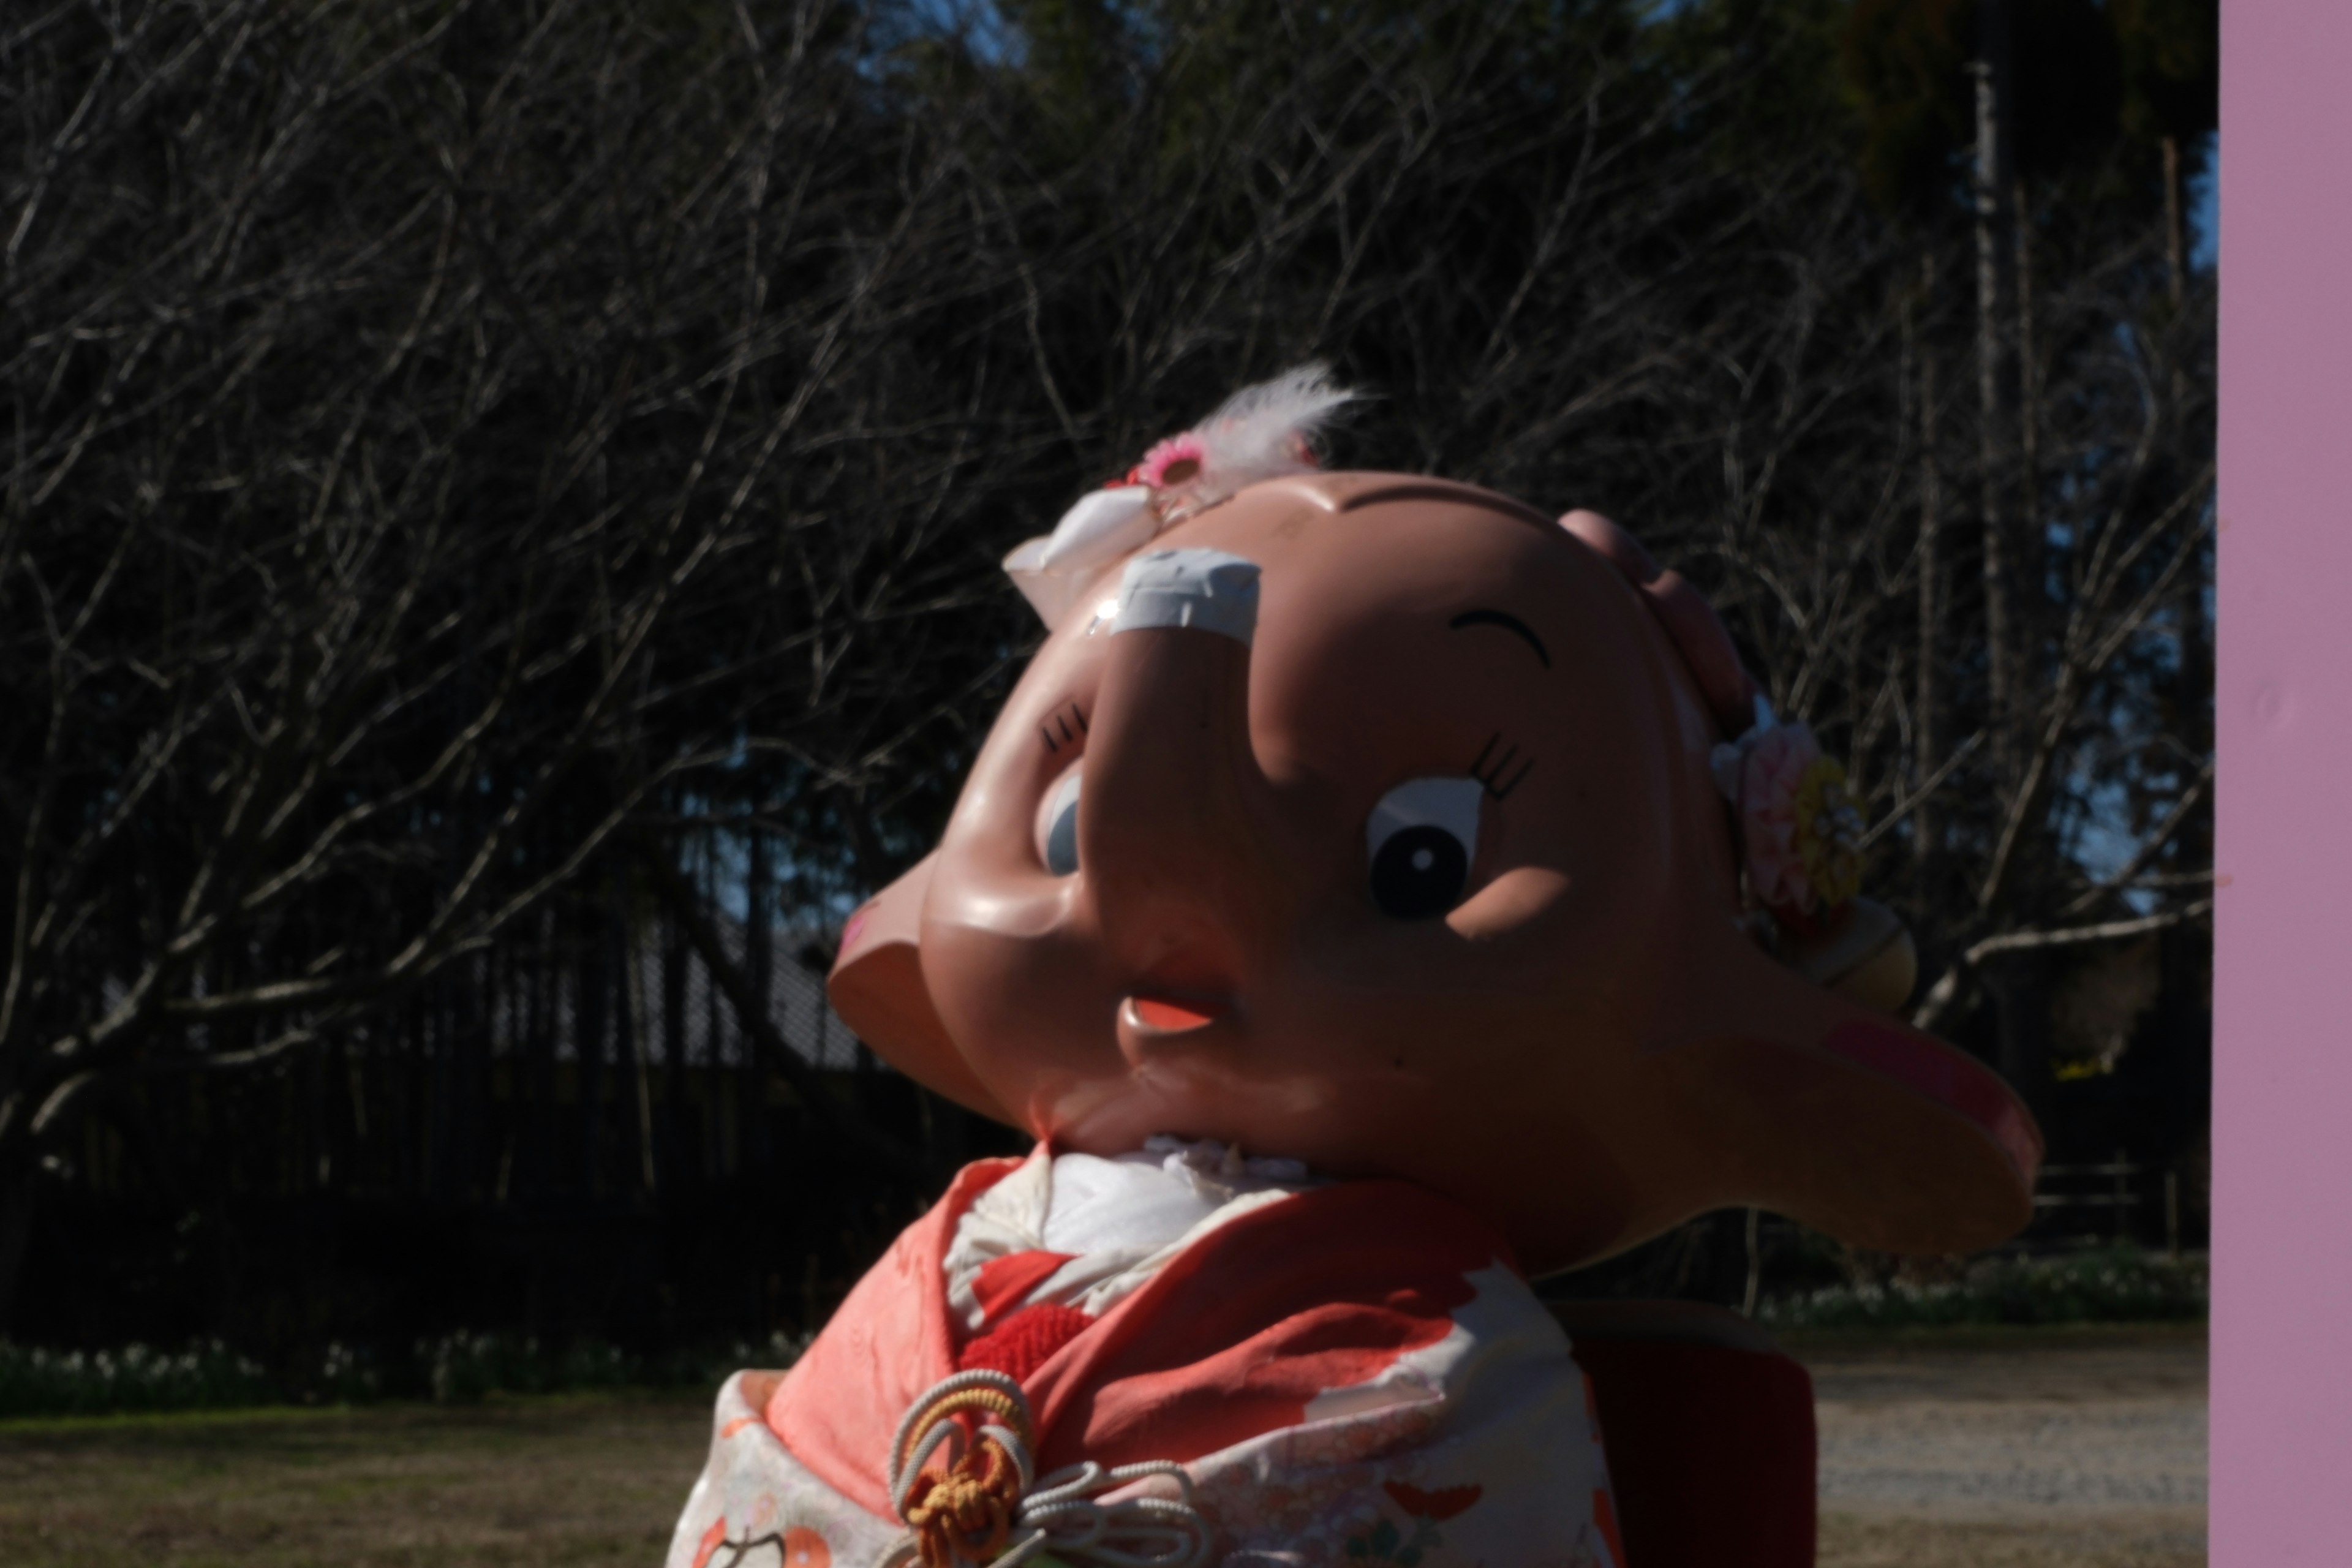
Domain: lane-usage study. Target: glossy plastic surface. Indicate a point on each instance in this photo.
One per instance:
(1588, 1046)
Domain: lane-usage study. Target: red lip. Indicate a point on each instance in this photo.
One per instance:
(1163, 1013)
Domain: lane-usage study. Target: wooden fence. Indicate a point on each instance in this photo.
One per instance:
(2112, 1198)
(570, 1134)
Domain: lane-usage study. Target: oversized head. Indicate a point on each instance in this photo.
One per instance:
(1392, 825)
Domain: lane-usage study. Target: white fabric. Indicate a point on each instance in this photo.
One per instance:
(1122, 1217)
(1154, 1195)
(1103, 526)
(1052, 570)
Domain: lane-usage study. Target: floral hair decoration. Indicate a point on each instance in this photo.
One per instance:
(1170, 466)
(1260, 432)
(1799, 832)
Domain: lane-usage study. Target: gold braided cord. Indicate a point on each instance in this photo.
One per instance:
(995, 1402)
(966, 1514)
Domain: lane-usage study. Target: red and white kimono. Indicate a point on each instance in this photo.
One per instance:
(1347, 1372)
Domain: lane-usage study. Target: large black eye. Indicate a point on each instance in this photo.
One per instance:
(1419, 872)
(1420, 837)
(1057, 826)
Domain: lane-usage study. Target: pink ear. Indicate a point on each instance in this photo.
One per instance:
(1688, 619)
(878, 987)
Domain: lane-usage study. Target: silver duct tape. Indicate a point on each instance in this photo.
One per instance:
(1206, 590)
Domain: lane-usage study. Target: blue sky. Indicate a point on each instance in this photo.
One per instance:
(2205, 207)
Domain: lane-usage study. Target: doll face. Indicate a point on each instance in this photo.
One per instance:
(1374, 890)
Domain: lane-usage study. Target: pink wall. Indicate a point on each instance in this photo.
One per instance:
(2282, 1459)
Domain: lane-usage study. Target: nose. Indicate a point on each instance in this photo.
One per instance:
(1173, 822)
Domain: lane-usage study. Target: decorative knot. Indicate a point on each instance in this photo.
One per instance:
(986, 1507)
(966, 1513)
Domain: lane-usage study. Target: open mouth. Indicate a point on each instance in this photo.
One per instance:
(1174, 1012)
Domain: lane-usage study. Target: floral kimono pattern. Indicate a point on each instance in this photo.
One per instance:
(1351, 1374)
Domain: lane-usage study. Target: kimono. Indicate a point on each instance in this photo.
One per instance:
(1312, 1372)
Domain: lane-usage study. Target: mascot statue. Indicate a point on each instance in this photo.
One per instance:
(1375, 892)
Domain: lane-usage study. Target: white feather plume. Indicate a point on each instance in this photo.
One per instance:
(1266, 430)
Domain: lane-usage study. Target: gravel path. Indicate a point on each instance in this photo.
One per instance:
(2082, 1449)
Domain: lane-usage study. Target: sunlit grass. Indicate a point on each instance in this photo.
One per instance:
(576, 1479)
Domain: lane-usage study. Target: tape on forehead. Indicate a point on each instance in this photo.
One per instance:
(1690, 622)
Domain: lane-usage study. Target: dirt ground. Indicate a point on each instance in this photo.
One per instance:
(2069, 1451)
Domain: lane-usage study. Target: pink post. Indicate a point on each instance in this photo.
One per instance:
(2282, 1405)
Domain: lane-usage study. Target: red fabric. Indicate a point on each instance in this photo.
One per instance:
(1005, 1282)
(1241, 1330)
(838, 1407)
(1019, 1345)
(1710, 1451)
(1321, 1290)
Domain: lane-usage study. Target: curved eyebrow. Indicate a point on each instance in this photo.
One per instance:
(1509, 623)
